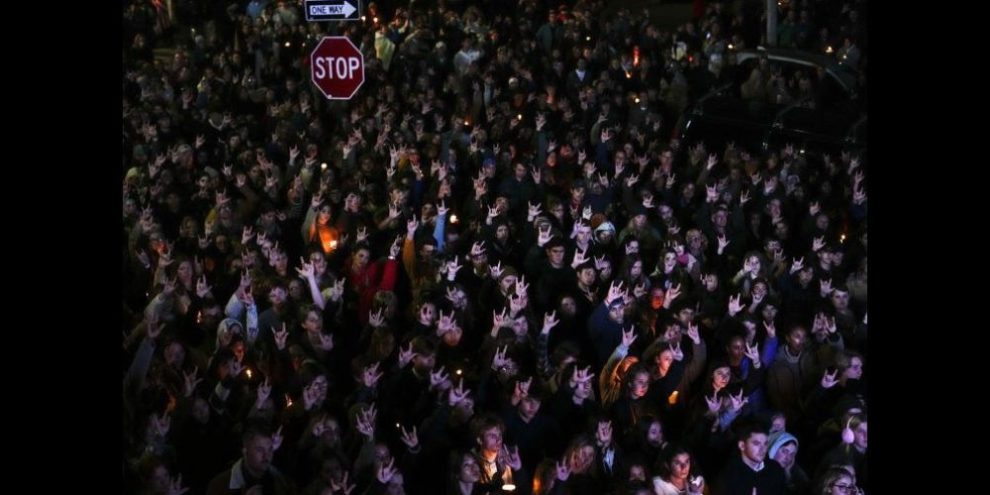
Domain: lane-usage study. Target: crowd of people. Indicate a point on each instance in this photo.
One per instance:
(494, 269)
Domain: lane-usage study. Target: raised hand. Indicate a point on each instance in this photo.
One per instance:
(406, 356)
(692, 333)
(628, 337)
(190, 382)
(410, 438)
(829, 380)
(281, 337)
(549, 321)
(735, 306)
(603, 433)
(736, 402)
(753, 353)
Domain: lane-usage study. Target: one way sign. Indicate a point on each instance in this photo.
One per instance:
(332, 10)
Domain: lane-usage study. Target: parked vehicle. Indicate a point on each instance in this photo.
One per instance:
(771, 97)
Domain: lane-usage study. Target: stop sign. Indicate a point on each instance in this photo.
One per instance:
(337, 67)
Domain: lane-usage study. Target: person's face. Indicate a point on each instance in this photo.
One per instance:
(636, 269)
(425, 363)
(654, 435)
(238, 349)
(453, 336)
(606, 271)
(556, 255)
(506, 283)
(640, 385)
(582, 459)
(277, 295)
(637, 473)
(842, 486)
(502, 233)
(520, 171)
(189, 229)
(587, 277)
(769, 312)
(361, 258)
(664, 360)
(174, 355)
(639, 221)
(785, 455)
(201, 411)
(470, 472)
(159, 480)
(737, 348)
(855, 369)
(616, 312)
(672, 334)
(860, 433)
(754, 262)
(680, 466)
(821, 221)
(582, 390)
(577, 194)
(313, 322)
(323, 217)
(185, 270)
(491, 440)
(721, 376)
(568, 307)
(779, 423)
(781, 230)
(669, 260)
(754, 448)
(296, 290)
(528, 407)
(258, 454)
(720, 218)
(796, 340)
(633, 247)
(427, 313)
(805, 275)
(502, 204)
(711, 283)
(840, 299)
(583, 234)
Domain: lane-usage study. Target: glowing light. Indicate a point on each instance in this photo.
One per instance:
(323, 166)
(453, 219)
(828, 49)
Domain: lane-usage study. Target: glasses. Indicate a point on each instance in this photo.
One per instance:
(847, 488)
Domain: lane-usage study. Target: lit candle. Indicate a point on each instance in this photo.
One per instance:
(333, 244)
(453, 219)
(323, 166)
(248, 371)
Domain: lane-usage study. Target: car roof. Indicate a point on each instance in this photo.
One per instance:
(842, 74)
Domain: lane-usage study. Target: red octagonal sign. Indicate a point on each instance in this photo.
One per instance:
(337, 67)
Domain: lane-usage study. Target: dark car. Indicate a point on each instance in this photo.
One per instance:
(809, 100)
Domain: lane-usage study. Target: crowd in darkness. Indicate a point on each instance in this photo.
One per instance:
(494, 269)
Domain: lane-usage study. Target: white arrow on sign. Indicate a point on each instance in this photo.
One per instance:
(346, 9)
